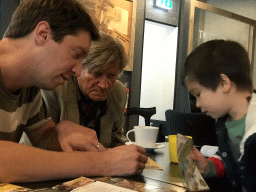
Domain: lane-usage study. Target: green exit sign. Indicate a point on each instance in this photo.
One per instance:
(165, 4)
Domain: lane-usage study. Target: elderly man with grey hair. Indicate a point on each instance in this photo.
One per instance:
(95, 99)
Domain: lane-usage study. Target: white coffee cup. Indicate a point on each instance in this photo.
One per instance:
(145, 136)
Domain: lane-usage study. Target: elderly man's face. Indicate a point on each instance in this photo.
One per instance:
(97, 85)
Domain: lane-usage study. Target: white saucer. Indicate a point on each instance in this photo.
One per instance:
(157, 145)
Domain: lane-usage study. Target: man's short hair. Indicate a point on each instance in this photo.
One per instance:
(213, 58)
(104, 53)
(65, 17)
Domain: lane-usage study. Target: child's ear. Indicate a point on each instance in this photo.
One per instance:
(42, 33)
(225, 83)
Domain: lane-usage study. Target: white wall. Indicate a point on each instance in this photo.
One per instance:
(158, 68)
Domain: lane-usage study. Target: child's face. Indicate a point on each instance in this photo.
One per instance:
(212, 103)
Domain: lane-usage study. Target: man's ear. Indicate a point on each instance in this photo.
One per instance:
(42, 33)
(225, 83)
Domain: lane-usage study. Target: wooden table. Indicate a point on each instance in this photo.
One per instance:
(170, 174)
(170, 177)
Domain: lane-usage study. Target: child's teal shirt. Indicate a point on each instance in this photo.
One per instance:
(236, 131)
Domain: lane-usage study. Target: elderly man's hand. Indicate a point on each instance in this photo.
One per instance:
(73, 137)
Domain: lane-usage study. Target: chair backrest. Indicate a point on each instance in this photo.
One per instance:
(144, 112)
(162, 129)
(198, 125)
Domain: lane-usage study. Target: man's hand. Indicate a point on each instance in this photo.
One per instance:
(74, 137)
(124, 160)
(200, 160)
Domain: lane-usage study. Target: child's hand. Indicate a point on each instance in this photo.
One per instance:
(200, 160)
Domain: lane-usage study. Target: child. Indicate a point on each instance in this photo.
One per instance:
(218, 74)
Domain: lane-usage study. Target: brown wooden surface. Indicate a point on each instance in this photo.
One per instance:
(170, 174)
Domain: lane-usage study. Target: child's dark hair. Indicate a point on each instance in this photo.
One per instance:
(213, 58)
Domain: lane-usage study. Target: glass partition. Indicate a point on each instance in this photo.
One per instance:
(209, 26)
(208, 22)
